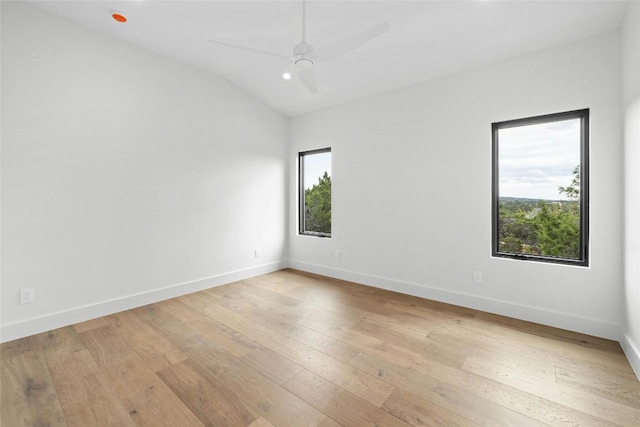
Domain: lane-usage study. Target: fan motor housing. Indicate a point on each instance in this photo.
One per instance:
(303, 62)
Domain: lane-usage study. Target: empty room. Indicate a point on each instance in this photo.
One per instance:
(320, 213)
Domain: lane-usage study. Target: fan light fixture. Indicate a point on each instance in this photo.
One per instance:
(305, 56)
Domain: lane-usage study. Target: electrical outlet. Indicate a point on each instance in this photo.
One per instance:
(477, 277)
(27, 296)
(257, 253)
(337, 254)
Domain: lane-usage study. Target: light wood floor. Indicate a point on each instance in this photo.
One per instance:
(294, 349)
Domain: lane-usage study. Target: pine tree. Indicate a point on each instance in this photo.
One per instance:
(317, 206)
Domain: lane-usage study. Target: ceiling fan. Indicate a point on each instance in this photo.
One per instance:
(305, 56)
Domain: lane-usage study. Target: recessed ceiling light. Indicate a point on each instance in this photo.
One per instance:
(286, 75)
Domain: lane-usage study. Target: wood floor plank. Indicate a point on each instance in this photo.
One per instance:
(619, 372)
(297, 349)
(213, 403)
(311, 294)
(318, 341)
(332, 347)
(332, 318)
(285, 322)
(269, 295)
(389, 332)
(337, 403)
(574, 339)
(369, 344)
(148, 400)
(28, 395)
(416, 326)
(179, 333)
(276, 404)
(148, 344)
(362, 385)
(333, 342)
(340, 332)
(264, 396)
(427, 308)
(271, 364)
(60, 342)
(18, 347)
(107, 345)
(342, 295)
(420, 412)
(423, 346)
(269, 314)
(537, 344)
(261, 422)
(571, 397)
(329, 422)
(90, 324)
(228, 338)
(85, 394)
(365, 386)
(624, 392)
(472, 345)
(443, 394)
(544, 410)
(498, 339)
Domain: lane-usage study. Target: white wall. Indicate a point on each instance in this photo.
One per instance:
(630, 339)
(126, 177)
(412, 188)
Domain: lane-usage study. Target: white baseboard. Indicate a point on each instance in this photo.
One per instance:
(539, 315)
(47, 322)
(9, 332)
(632, 351)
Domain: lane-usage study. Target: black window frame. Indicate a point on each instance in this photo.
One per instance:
(584, 116)
(301, 204)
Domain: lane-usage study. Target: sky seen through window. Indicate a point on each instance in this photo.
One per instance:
(536, 159)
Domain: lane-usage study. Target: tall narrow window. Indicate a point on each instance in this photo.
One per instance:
(540, 188)
(314, 183)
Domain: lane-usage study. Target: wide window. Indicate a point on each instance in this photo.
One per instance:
(540, 188)
(314, 183)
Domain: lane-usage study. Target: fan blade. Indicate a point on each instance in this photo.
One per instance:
(308, 77)
(250, 49)
(339, 48)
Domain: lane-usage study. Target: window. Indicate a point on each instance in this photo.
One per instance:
(540, 188)
(314, 184)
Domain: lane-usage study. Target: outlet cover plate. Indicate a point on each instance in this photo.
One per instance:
(477, 277)
(27, 296)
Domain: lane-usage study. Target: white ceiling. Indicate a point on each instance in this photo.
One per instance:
(427, 39)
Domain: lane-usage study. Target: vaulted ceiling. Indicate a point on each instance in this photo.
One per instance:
(425, 40)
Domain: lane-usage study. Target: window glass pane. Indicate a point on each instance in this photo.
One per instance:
(536, 160)
(315, 194)
(540, 206)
